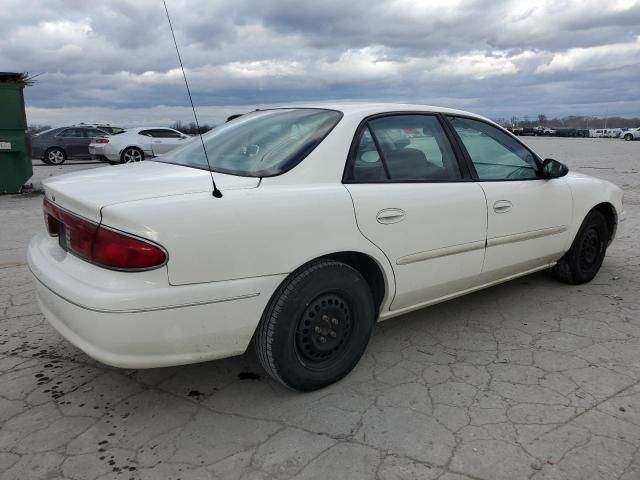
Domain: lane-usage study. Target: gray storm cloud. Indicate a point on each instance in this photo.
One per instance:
(115, 59)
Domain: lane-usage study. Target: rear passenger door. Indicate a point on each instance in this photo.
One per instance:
(414, 200)
(74, 142)
(165, 140)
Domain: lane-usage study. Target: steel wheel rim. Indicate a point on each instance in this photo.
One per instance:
(324, 331)
(590, 249)
(55, 157)
(131, 155)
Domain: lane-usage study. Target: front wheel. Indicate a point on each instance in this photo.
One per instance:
(628, 137)
(317, 326)
(583, 260)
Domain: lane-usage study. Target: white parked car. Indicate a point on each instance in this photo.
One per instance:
(136, 144)
(631, 134)
(331, 218)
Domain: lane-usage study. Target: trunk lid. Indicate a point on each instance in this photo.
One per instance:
(86, 192)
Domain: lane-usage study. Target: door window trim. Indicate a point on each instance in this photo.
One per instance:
(469, 162)
(347, 174)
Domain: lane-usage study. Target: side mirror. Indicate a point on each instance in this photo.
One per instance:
(553, 169)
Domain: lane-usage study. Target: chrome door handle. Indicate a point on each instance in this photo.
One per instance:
(390, 215)
(502, 206)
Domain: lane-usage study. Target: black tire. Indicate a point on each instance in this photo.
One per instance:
(131, 155)
(324, 300)
(55, 156)
(628, 137)
(584, 259)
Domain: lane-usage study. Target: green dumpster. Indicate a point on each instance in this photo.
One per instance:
(15, 147)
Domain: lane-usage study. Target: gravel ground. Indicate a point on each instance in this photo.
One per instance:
(530, 379)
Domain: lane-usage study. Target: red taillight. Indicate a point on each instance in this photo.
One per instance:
(122, 251)
(50, 219)
(101, 140)
(101, 245)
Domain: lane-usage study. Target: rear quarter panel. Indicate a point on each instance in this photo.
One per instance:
(268, 230)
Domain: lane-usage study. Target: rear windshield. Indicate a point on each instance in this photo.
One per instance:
(259, 144)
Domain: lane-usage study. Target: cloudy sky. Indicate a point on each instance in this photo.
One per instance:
(114, 60)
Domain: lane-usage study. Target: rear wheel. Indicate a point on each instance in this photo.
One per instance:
(131, 155)
(583, 260)
(55, 156)
(316, 326)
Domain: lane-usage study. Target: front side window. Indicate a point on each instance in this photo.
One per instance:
(495, 155)
(404, 148)
(259, 144)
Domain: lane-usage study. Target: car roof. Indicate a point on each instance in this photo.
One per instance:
(94, 127)
(366, 109)
(139, 129)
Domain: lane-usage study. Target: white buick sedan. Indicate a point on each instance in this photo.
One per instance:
(331, 218)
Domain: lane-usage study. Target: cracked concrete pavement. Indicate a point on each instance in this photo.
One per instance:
(532, 379)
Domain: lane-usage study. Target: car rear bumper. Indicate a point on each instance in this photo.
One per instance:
(99, 152)
(138, 320)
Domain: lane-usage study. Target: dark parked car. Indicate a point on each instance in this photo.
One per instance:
(566, 132)
(57, 145)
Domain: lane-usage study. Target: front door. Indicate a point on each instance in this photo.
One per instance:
(165, 140)
(412, 200)
(528, 216)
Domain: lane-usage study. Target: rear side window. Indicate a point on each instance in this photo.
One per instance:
(160, 133)
(165, 133)
(494, 154)
(367, 165)
(94, 132)
(404, 148)
(73, 132)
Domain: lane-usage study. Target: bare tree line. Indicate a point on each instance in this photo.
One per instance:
(571, 121)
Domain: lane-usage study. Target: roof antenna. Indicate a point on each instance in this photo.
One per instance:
(216, 193)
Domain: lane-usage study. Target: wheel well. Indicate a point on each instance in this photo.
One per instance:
(368, 268)
(52, 147)
(610, 215)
